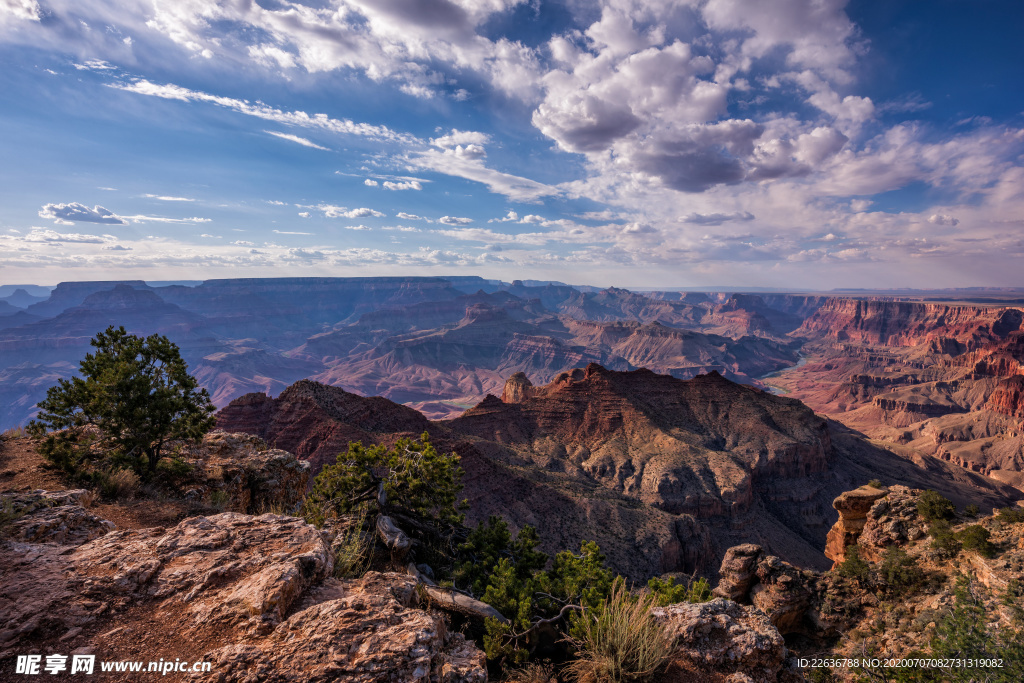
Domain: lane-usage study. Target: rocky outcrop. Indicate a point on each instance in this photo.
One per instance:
(250, 476)
(367, 630)
(56, 517)
(739, 571)
(253, 592)
(517, 388)
(781, 592)
(892, 520)
(726, 638)
(853, 507)
(775, 587)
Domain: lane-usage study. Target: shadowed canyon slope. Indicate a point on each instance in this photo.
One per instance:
(664, 473)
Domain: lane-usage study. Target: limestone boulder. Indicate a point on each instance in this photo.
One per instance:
(243, 474)
(726, 638)
(371, 631)
(55, 517)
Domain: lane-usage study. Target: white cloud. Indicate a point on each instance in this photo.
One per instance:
(404, 185)
(295, 138)
(304, 214)
(287, 232)
(943, 219)
(66, 214)
(165, 198)
(455, 220)
(357, 227)
(331, 211)
(262, 111)
(408, 216)
(44, 235)
(20, 9)
(370, 183)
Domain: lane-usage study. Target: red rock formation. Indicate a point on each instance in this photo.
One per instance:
(899, 323)
(1008, 397)
(853, 507)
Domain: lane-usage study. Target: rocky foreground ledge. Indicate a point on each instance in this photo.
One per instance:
(255, 597)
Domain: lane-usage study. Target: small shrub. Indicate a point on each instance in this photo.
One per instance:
(854, 566)
(933, 506)
(119, 484)
(620, 641)
(219, 499)
(972, 510)
(943, 538)
(88, 498)
(976, 538)
(1011, 515)
(877, 484)
(668, 592)
(899, 570)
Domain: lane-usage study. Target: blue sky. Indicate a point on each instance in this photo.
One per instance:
(784, 143)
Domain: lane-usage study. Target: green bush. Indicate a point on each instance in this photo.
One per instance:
(133, 397)
(933, 506)
(972, 510)
(976, 538)
(943, 538)
(668, 592)
(899, 570)
(414, 478)
(853, 565)
(1012, 515)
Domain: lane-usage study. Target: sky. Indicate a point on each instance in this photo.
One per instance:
(805, 144)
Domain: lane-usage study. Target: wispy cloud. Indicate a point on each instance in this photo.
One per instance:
(289, 232)
(169, 91)
(295, 138)
(166, 198)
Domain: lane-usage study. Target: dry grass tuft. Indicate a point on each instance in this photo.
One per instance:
(533, 673)
(620, 642)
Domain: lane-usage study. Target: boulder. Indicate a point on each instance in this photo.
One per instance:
(227, 571)
(56, 517)
(249, 476)
(371, 633)
(738, 571)
(726, 638)
(781, 593)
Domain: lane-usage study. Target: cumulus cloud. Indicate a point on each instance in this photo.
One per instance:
(370, 183)
(67, 214)
(20, 9)
(331, 211)
(455, 220)
(44, 235)
(403, 185)
(408, 216)
(943, 219)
